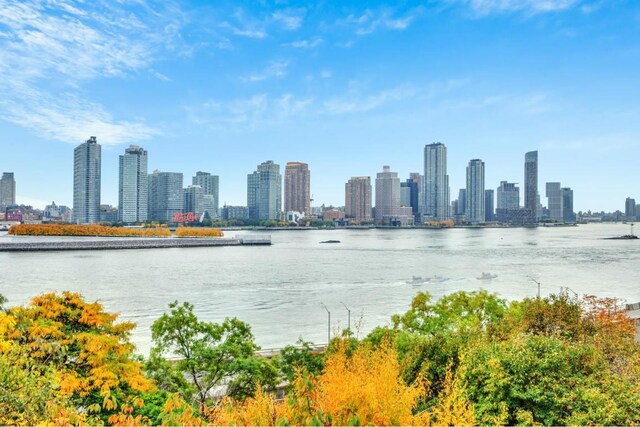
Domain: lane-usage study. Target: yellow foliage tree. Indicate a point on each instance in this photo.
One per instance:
(86, 230)
(198, 232)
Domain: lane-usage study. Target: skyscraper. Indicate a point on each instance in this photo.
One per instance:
(568, 215)
(86, 182)
(508, 196)
(297, 191)
(388, 209)
(409, 196)
(436, 181)
(555, 201)
(462, 202)
(264, 192)
(474, 212)
(531, 184)
(210, 187)
(165, 195)
(488, 205)
(629, 208)
(193, 200)
(419, 180)
(133, 194)
(358, 198)
(7, 189)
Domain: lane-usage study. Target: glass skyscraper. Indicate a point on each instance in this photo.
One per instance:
(475, 208)
(133, 191)
(264, 192)
(165, 195)
(7, 189)
(436, 191)
(531, 184)
(86, 182)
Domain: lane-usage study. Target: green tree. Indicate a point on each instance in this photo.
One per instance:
(301, 356)
(211, 355)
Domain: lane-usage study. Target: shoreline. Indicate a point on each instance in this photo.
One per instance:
(130, 243)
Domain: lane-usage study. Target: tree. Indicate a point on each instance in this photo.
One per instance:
(211, 355)
(301, 356)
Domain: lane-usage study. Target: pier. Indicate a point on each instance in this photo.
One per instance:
(103, 243)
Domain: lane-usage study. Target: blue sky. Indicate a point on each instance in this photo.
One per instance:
(345, 86)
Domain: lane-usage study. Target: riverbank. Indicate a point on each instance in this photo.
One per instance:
(129, 243)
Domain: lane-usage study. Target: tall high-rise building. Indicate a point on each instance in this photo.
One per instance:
(488, 206)
(475, 210)
(531, 200)
(629, 208)
(86, 182)
(508, 196)
(133, 193)
(264, 192)
(410, 196)
(193, 200)
(358, 198)
(436, 188)
(568, 215)
(7, 189)
(388, 209)
(165, 195)
(210, 185)
(462, 202)
(555, 201)
(297, 188)
(419, 180)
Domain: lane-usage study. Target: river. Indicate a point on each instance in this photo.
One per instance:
(280, 289)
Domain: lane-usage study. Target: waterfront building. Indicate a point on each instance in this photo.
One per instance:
(108, 213)
(629, 208)
(555, 201)
(461, 206)
(210, 187)
(568, 215)
(297, 188)
(165, 195)
(133, 194)
(436, 188)
(193, 200)
(234, 212)
(409, 196)
(508, 195)
(264, 192)
(334, 215)
(419, 180)
(52, 212)
(388, 209)
(86, 182)
(488, 205)
(209, 206)
(7, 190)
(531, 197)
(475, 209)
(358, 198)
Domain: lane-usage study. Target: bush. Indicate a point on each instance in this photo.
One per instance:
(198, 232)
(86, 230)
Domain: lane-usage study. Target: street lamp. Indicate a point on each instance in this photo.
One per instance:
(538, 283)
(349, 316)
(328, 324)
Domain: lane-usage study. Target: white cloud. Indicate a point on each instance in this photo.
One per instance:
(250, 32)
(306, 44)
(50, 49)
(291, 20)
(371, 20)
(275, 69)
(487, 7)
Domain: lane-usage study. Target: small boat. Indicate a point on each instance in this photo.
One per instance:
(438, 279)
(330, 241)
(625, 237)
(417, 280)
(487, 276)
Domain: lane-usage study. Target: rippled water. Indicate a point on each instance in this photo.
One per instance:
(279, 289)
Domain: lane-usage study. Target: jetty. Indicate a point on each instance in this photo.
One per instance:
(102, 243)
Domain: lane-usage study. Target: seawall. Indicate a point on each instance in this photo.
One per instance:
(127, 243)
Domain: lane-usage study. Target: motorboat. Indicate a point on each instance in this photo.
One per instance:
(487, 276)
(417, 280)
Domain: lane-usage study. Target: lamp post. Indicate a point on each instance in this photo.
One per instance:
(538, 283)
(349, 316)
(328, 323)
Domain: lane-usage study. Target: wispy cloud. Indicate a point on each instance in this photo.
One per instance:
(70, 42)
(532, 7)
(290, 19)
(248, 31)
(275, 69)
(530, 104)
(371, 20)
(305, 44)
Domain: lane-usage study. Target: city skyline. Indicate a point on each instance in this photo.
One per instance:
(220, 88)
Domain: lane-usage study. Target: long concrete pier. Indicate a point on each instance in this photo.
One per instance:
(129, 243)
